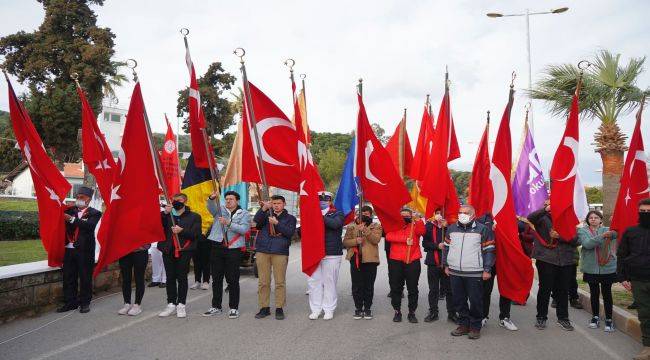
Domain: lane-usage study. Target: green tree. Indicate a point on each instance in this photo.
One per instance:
(380, 133)
(321, 142)
(461, 182)
(218, 110)
(9, 156)
(608, 91)
(331, 167)
(594, 194)
(68, 41)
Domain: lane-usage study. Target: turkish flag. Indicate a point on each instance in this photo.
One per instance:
(132, 218)
(423, 147)
(277, 144)
(437, 186)
(49, 184)
(169, 162)
(379, 181)
(514, 268)
(97, 155)
(480, 186)
(399, 149)
(312, 227)
(568, 199)
(634, 182)
(197, 118)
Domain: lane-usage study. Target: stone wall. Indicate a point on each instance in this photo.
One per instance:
(33, 293)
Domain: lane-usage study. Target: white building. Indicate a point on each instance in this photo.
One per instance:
(111, 122)
(23, 186)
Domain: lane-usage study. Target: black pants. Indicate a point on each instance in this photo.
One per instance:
(201, 260)
(225, 262)
(463, 289)
(595, 289)
(133, 266)
(438, 284)
(176, 270)
(398, 274)
(363, 283)
(77, 277)
(553, 278)
(504, 303)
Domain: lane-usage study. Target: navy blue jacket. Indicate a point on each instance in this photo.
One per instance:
(333, 232)
(280, 243)
(430, 241)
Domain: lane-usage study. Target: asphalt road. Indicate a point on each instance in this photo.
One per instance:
(102, 334)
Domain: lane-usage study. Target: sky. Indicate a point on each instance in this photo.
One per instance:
(399, 48)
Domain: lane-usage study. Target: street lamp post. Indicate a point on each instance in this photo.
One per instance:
(527, 14)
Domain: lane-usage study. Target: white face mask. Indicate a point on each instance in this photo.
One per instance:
(438, 217)
(80, 203)
(464, 219)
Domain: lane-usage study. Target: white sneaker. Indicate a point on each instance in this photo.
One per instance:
(180, 311)
(195, 286)
(234, 313)
(205, 286)
(314, 315)
(508, 324)
(328, 315)
(135, 310)
(484, 322)
(124, 310)
(170, 309)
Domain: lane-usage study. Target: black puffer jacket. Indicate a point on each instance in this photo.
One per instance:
(634, 254)
(191, 224)
(333, 232)
(561, 255)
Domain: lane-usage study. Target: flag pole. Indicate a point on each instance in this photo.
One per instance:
(402, 134)
(361, 200)
(305, 120)
(131, 63)
(209, 154)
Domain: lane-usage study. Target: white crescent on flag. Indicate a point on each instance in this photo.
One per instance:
(572, 144)
(262, 127)
(640, 156)
(499, 189)
(369, 175)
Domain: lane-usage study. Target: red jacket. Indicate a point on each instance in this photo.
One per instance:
(397, 240)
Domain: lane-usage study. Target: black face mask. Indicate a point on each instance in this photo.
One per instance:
(177, 205)
(644, 219)
(366, 219)
(407, 220)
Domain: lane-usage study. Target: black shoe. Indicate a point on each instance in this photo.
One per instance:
(84, 308)
(633, 306)
(397, 317)
(565, 324)
(66, 308)
(358, 314)
(431, 317)
(279, 314)
(162, 285)
(389, 296)
(553, 304)
(540, 324)
(153, 284)
(412, 319)
(367, 314)
(575, 303)
(453, 318)
(264, 312)
(441, 297)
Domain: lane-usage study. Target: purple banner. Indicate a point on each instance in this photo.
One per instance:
(528, 187)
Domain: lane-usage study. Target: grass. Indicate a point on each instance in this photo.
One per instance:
(22, 251)
(18, 204)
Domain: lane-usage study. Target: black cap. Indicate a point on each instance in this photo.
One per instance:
(84, 190)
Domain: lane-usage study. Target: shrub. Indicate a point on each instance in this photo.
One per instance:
(18, 225)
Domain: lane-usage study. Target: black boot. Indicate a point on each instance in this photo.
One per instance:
(431, 317)
(264, 312)
(279, 314)
(411, 317)
(398, 316)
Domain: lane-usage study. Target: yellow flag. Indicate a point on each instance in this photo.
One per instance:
(418, 202)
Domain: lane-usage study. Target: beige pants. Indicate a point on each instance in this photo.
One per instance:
(265, 264)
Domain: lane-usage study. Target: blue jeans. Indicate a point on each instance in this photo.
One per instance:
(464, 288)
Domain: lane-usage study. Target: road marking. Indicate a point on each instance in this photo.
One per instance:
(122, 327)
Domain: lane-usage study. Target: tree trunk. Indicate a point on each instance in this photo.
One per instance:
(612, 169)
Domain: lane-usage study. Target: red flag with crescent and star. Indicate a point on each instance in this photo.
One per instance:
(196, 118)
(169, 162)
(278, 142)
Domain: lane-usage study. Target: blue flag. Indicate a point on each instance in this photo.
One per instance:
(347, 196)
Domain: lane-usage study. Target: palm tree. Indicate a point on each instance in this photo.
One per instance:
(114, 81)
(608, 91)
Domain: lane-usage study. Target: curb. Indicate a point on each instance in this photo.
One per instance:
(624, 321)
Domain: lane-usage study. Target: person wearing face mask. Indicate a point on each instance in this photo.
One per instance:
(79, 258)
(404, 264)
(555, 263)
(225, 255)
(634, 270)
(433, 243)
(177, 248)
(468, 257)
(361, 241)
(322, 283)
(598, 266)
